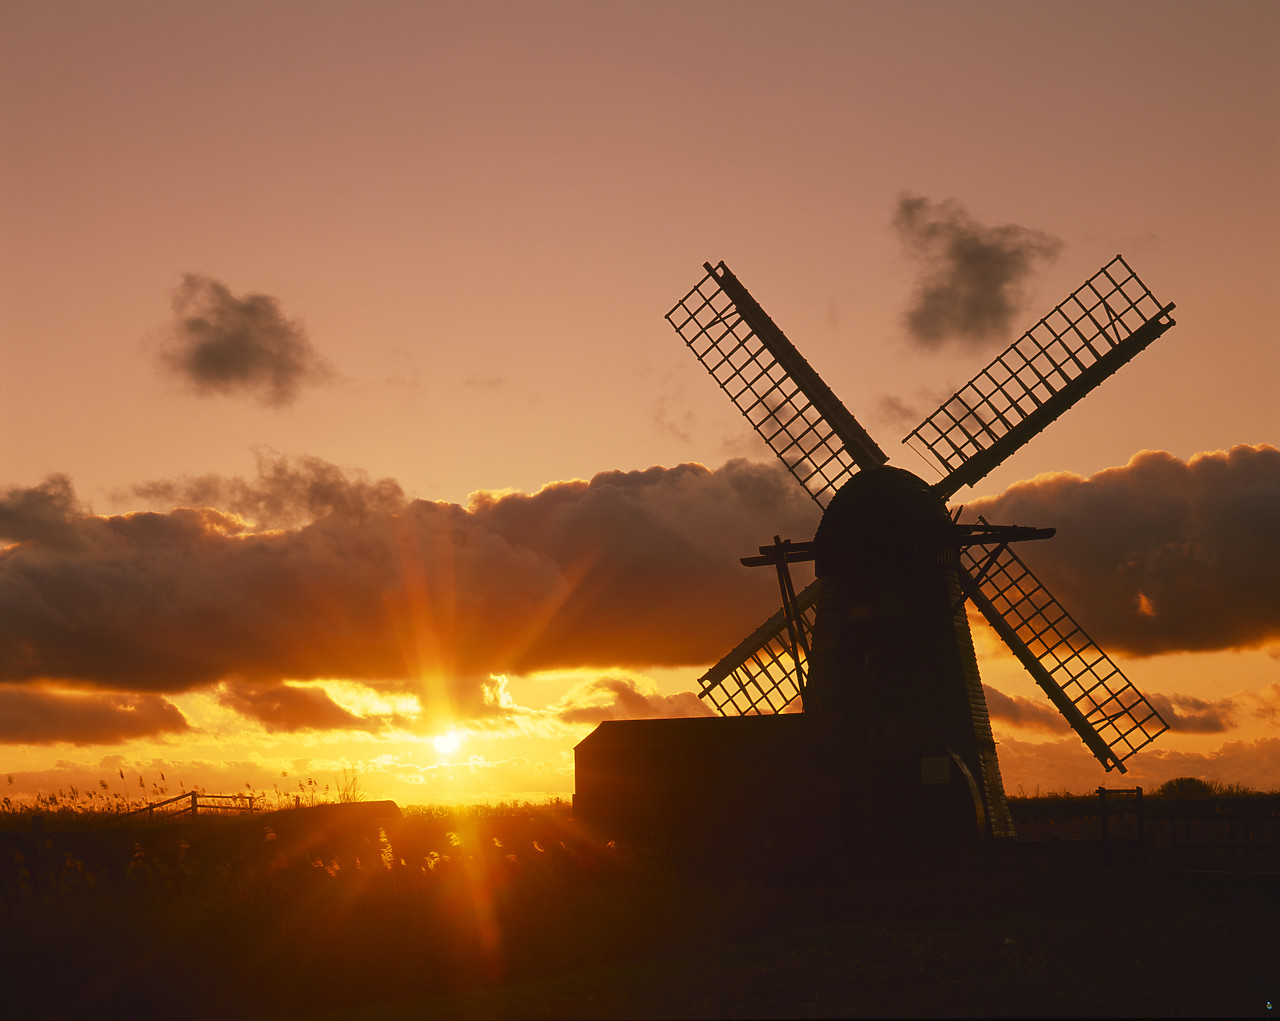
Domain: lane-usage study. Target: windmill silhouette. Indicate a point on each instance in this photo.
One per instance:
(877, 650)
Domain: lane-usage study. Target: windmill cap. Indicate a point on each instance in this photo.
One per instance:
(880, 519)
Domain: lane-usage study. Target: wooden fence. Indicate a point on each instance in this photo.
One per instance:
(1202, 833)
(195, 803)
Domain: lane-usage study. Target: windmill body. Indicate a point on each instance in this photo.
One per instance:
(895, 740)
(891, 662)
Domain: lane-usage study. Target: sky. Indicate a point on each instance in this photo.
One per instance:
(341, 431)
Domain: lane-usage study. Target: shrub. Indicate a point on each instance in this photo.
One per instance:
(1195, 787)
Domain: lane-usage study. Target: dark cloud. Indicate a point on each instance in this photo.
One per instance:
(220, 344)
(285, 707)
(972, 276)
(1183, 713)
(36, 716)
(43, 513)
(621, 698)
(1195, 715)
(286, 492)
(1160, 555)
(1023, 712)
(629, 569)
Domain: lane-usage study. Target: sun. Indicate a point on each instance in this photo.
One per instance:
(447, 743)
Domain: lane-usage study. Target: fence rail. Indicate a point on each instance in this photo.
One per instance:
(1199, 833)
(195, 803)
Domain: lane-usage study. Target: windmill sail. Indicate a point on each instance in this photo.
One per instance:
(760, 675)
(789, 405)
(1111, 716)
(1101, 326)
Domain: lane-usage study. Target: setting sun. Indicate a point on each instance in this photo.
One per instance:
(446, 744)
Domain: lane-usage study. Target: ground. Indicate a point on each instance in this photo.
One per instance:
(501, 918)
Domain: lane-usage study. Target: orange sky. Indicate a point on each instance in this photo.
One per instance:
(444, 237)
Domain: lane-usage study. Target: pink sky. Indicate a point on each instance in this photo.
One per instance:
(475, 216)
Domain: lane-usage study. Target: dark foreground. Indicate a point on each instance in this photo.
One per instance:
(292, 916)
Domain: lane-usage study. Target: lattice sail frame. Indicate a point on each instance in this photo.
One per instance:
(760, 676)
(1101, 326)
(1111, 716)
(786, 402)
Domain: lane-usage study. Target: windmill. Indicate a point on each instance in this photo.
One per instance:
(877, 649)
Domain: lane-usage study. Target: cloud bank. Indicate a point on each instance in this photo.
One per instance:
(972, 277)
(306, 572)
(1160, 555)
(43, 514)
(34, 716)
(223, 345)
(1184, 713)
(629, 569)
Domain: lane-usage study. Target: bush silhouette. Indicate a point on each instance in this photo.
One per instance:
(1185, 787)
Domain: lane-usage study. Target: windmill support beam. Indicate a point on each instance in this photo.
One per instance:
(753, 676)
(780, 554)
(782, 551)
(1000, 535)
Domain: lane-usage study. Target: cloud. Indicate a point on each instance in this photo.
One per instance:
(308, 572)
(673, 416)
(625, 698)
(1065, 764)
(42, 513)
(222, 345)
(36, 716)
(1195, 715)
(1266, 704)
(972, 276)
(629, 569)
(1184, 713)
(897, 412)
(286, 707)
(286, 493)
(1022, 712)
(1253, 763)
(1159, 555)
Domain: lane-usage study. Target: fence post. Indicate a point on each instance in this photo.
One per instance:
(195, 805)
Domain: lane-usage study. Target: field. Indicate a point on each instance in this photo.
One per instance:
(359, 911)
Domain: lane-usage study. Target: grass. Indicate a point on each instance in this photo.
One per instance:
(514, 911)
